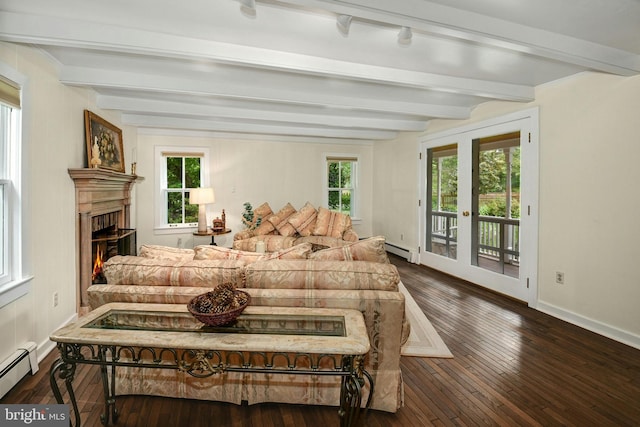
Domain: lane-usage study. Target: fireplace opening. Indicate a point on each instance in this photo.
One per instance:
(108, 241)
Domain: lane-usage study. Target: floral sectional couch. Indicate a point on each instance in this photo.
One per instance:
(289, 227)
(355, 276)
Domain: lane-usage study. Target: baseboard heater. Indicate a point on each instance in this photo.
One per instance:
(401, 252)
(16, 366)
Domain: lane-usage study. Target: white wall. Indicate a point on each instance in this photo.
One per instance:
(254, 171)
(589, 172)
(53, 132)
(395, 201)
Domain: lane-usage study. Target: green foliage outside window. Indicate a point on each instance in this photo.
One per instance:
(498, 208)
(493, 171)
(493, 182)
(183, 174)
(449, 184)
(340, 186)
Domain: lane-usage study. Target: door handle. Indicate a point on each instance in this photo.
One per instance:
(465, 213)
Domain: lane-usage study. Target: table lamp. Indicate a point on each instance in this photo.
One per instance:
(202, 197)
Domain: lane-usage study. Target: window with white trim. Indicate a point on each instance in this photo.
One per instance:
(12, 282)
(341, 184)
(6, 126)
(180, 169)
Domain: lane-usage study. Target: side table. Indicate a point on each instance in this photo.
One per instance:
(213, 234)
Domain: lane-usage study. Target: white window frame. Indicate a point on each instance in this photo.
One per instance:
(8, 117)
(161, 224)
(355, 179)
(14, 283)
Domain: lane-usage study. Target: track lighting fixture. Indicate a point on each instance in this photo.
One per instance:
(405, 34)
(343, 23)
(249, 4)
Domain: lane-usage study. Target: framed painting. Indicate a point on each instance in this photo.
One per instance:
(104, 143)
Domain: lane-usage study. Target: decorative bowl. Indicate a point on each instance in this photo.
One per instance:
(218, 319)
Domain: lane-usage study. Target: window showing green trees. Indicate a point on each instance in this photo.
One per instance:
(340, 185)
(499, 175)
(500, 182)
(183, 174)
(445, 183)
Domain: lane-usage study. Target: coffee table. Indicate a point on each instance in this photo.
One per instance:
(286, 340)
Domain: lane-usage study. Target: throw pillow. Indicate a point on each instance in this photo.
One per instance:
(330, 223)
(264, 228)
(263, 211)
(280, 220)
(304, 220)
(166, 253)
(208, 252)
(219, 252)
(371, 249)
(301, 251)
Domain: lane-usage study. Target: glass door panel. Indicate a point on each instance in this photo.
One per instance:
(496, 203)
(442, 208)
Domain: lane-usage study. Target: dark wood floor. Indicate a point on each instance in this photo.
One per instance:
(512, 366)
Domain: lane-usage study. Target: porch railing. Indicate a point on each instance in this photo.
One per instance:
(498, 238)
(444, 231)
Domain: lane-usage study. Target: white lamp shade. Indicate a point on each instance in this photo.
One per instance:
(201, 196)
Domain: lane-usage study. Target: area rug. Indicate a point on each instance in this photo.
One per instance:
(424, 340)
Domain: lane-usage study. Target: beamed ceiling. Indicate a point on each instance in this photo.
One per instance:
(285, 70)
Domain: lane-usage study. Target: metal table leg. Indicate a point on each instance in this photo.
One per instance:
(109, 388)
(66, 371)
(351, 409)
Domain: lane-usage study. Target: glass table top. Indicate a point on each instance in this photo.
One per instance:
(246, 323)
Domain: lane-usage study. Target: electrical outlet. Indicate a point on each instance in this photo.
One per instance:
(180, 242)
(401, 236)
(55, 299)
(559, 277)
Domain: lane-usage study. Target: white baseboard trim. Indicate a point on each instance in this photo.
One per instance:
(600, 328)
(46, 347)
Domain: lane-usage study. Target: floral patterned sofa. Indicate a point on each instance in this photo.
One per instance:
(355, 276)
(289, 227)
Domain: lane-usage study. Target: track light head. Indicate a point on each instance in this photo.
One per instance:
(248, 4)
(343, 23)
(405, 34)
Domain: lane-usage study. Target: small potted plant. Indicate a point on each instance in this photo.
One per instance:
(249, 218)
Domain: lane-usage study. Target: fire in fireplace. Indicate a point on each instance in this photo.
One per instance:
(98, 276)
(107, 240)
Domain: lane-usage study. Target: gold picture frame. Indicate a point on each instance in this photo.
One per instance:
(104, 143)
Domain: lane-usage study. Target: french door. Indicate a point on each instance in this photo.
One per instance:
(478, 205)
